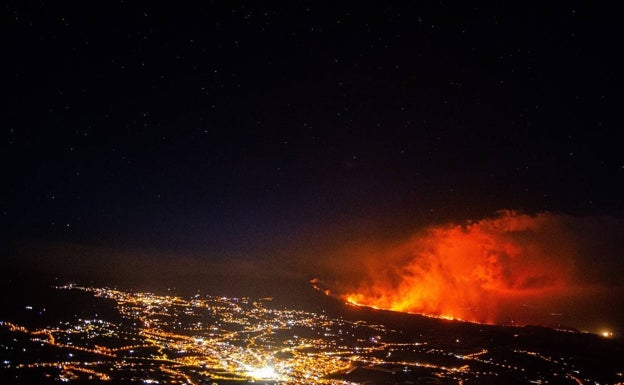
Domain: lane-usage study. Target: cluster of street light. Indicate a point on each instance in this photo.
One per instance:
(205, 339)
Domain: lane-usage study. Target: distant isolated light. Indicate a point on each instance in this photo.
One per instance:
(606, 334)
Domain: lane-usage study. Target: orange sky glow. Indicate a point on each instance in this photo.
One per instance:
(477, 271)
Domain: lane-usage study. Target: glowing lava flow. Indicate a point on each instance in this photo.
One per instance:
(471, 272)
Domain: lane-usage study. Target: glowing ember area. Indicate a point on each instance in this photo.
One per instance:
(475, 272)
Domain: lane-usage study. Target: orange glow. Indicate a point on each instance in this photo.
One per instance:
(472, 272)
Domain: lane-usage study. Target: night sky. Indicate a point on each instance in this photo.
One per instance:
(238, 130)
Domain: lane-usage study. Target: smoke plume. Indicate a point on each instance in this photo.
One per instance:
(497, 270)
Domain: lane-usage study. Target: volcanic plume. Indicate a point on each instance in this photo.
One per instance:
(489, 270)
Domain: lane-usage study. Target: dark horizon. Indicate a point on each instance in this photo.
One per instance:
(591, 299)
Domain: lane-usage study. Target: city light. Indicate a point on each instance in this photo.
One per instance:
(263, 373)
(171, 339)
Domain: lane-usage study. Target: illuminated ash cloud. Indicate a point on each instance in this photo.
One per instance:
(478, 271)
